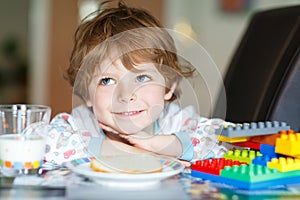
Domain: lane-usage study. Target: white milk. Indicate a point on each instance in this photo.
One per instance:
(15, 148)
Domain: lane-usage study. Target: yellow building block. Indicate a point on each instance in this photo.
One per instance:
(288, 144)
(232, 140)
(283, 164)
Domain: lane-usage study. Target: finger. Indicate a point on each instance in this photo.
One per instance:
(130, 139)
(185, 163)
(124, 135)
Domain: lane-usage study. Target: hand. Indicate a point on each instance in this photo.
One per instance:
(110, 148)
(186, 164)
(142, 140)
(107, 128)
(161, 144)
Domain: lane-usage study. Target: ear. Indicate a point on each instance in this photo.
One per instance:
(88, 98)
(88, 103)
(169, 95)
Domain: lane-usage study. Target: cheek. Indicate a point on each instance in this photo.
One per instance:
(153, 94)
(102, 100)
(154, 97)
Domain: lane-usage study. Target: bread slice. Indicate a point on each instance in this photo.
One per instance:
(133, 164)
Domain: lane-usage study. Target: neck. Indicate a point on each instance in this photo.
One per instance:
(149, 129)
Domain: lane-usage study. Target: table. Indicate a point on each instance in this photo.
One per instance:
(66, 185)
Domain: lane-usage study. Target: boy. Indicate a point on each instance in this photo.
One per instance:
(125, 70)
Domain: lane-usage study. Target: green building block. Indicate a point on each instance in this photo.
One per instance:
(242, 155)
(256, 173)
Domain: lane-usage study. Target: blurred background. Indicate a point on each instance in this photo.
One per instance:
(36, 38)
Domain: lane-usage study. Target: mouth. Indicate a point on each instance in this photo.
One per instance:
(129, 114)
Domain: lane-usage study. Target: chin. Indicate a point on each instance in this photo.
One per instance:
(130, 131)
(129, 128)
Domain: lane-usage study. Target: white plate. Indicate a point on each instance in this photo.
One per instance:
(81, 166)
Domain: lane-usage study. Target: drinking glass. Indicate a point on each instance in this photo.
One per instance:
(14, 118)
(22, 145)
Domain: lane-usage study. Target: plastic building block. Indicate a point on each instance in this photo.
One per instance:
(288, 144)
(257, 173)
(266, 139)
(213, 166)
(232, 140)
(246, 185)
(266, 168)
(269, 150)
(269, 139)
(285, 164)
(251, 177)
(254, 129)
(251, 173)
(287, 132)
(249, 144)
(242, 155)
(261, 160)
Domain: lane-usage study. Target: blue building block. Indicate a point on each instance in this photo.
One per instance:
(261, 160)
(244, 184)
(268, 150)
(253, 129)
(251, 176)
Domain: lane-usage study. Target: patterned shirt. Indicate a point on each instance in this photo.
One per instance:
(76, 135)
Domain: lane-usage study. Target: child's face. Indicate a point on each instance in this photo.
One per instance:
(128, 100)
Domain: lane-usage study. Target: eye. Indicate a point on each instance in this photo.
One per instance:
(107, 81)
(143, 78)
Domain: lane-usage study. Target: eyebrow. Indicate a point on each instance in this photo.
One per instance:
(145, 68)
(107, 74)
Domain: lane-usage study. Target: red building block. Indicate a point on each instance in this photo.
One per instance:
(250, 144)
(214, 166)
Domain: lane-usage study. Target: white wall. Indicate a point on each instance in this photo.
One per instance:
(38, 50)
(218, 32)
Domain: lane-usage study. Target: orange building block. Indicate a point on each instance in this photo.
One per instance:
(269, 139)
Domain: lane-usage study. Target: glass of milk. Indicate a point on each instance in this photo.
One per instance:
(22, 143)
(20, 155)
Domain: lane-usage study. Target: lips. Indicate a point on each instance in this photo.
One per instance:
(128, 114)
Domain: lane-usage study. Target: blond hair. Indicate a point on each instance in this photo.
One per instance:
(137, 37)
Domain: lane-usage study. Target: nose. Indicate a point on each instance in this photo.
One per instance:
(126, 94)
(127, 98)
